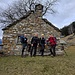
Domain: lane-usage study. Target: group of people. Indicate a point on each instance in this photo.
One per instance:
(41, 42)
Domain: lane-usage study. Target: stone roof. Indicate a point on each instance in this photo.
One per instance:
(25, 16)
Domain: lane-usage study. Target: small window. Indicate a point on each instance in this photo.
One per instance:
(18, 40)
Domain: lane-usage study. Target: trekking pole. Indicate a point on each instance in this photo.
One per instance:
(65, 53)
(62, 48)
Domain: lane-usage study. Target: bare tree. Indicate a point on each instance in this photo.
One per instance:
(21, 7)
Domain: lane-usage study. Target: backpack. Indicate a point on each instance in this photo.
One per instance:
(21, 39)
(52, 40)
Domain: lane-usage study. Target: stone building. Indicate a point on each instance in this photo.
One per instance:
(30, 23)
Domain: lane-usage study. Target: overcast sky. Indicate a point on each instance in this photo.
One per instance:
(65, 12)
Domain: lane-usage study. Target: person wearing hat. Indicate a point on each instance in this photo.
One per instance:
(42, 44)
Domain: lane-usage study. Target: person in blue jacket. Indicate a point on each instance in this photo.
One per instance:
(24, 43)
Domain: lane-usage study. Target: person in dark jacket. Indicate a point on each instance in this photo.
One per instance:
(42, 44)
(34, 44)
(24, 43)
(52, 41)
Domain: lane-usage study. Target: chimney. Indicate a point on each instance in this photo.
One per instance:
(39, 10)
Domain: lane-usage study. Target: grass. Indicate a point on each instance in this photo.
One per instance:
(47, 65)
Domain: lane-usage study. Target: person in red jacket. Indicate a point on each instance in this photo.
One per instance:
(52, 42)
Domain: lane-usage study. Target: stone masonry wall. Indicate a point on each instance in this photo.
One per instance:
(29, 25)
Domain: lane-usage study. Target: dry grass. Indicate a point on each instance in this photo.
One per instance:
(47, 65)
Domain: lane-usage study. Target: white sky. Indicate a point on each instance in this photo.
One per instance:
(65, 12)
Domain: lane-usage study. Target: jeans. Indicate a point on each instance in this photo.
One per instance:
(23, 47)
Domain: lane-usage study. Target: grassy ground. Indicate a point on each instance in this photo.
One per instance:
(47, 65)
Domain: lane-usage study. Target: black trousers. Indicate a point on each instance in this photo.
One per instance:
(42, 52)
(52, 50)
(33, 51)
(23, 47)
(42, 49)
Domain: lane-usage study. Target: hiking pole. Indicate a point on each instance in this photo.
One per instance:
(62, 48)
(65, 52)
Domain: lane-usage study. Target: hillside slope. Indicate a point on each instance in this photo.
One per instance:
(70, 39)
